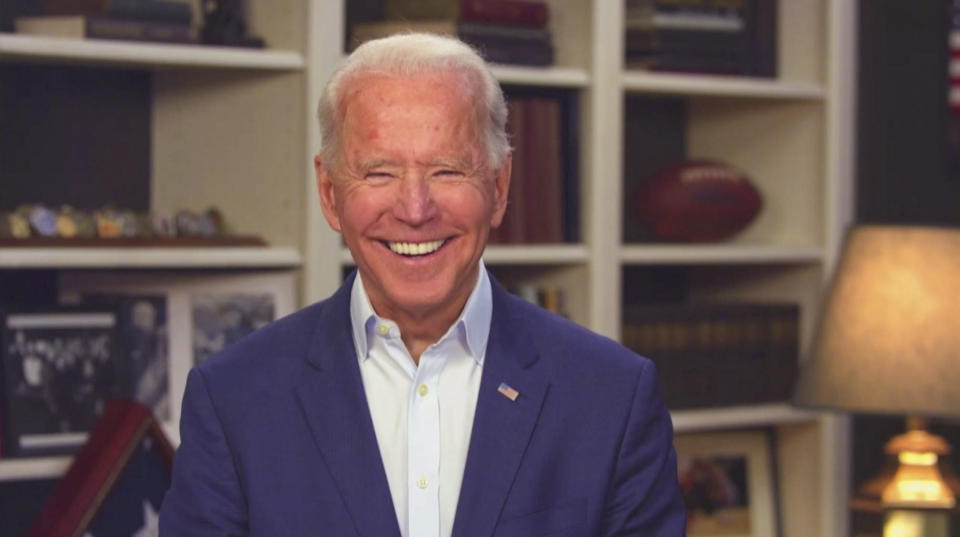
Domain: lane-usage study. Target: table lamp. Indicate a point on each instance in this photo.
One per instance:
(888, 342)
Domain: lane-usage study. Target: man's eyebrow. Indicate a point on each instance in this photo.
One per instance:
(375, 163)
(451, 162)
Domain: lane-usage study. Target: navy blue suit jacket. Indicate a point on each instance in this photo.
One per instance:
(277, 438)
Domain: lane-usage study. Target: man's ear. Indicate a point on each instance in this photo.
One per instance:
(501, 191)
(328, 198)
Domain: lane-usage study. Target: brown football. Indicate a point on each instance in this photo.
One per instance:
(697, 201)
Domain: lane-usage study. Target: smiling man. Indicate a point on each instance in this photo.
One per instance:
(421, 399)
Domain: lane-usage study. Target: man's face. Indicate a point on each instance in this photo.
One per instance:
(412, 193)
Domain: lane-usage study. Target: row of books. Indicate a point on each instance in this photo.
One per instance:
(734, 37)
(718, 354)
(168, 21)
(544, 191)
(505, 31)
(548, 297)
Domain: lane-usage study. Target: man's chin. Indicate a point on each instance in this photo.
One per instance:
(424, 302)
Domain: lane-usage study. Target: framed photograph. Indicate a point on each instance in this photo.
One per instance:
(116, 483)
(219, 320)
(59, 371)
(143, 339)
(204, 313)
(727, 483)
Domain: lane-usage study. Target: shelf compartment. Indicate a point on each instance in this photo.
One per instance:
(718, 254)
(159, 258)
(519, 254)
(718, 86)
(739, 417)
(31, 48)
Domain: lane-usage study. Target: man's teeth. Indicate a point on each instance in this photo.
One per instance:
(415, 248)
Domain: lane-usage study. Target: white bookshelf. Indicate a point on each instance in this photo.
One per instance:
(33, 468)
(235, 129)
(54, 467)
(718, 254)
(719, 86)
(740, 417)
(102, 52)
(139, 258)
(542, 76)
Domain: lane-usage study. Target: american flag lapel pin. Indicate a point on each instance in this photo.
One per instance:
(508, 392)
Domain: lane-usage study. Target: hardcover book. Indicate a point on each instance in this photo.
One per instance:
(516, 12)
(497, 42)
(738, 37)
(717, 354)
(149, 10)
(101, 27)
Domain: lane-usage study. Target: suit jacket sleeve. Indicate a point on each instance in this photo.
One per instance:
(205, 498)
(645, 498)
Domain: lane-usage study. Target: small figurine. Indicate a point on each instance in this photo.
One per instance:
(224, 24)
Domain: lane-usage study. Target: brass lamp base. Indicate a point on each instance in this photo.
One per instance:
(913, 493)
(899, 523)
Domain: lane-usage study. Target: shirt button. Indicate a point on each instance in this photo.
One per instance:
(423, 482)
(383, 329)
(422, 390)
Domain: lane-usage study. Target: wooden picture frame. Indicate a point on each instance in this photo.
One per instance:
(191, 296)
(116, 483)
(727, 481)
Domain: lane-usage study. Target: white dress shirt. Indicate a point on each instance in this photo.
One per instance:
(423, 415)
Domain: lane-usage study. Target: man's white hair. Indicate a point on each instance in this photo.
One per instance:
(410, 55)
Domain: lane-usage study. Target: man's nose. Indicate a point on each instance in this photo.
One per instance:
(415, 204)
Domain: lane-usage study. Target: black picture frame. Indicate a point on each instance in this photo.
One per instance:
(59, 370)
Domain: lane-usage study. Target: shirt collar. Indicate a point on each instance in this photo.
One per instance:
(473, 323)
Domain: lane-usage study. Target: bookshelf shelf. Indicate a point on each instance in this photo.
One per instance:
(27, 468)
(542, 76)
(739, 417)
(719, 86)
(520, 254)
(718, 254)
(33, 468)
(15, 47)
(116, 258)
(554, 254)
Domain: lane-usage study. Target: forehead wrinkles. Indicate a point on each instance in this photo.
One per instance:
(371, 101)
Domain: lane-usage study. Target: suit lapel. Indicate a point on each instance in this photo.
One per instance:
(501, 428)
(336, 411)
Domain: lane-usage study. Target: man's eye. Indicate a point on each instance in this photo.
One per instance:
(449, 173)
(378, 175)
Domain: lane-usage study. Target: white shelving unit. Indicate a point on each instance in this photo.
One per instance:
(767, 415)
(547, 76)
(719, 254)
(34, 468)
(15, 47)
(159, 258)
(719, 86)
(235, 129)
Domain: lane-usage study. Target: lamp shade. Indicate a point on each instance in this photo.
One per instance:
(888, 341)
